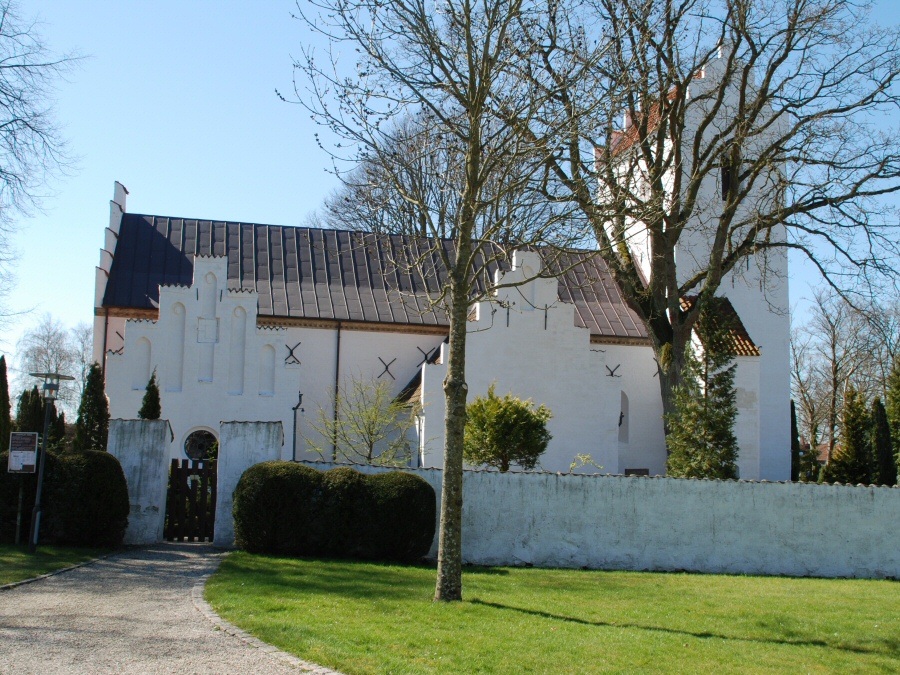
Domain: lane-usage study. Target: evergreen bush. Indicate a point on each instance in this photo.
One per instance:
(274, 505)
(5, 419)
(885, 467)
(344, 512)
(701, 440)
(92, 425)
(290, 509)
(403, 516)
(151, 408)
(502, 431)
(852, 462)
(9, 498)
(85, 500)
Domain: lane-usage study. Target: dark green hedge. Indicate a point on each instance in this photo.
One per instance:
(85, 500)
(290, 509)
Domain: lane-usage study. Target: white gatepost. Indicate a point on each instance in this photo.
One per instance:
(142, 448)
(241, 445)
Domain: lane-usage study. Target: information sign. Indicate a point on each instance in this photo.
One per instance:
(22, 452)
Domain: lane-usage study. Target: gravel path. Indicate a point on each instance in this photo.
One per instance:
(140, 611)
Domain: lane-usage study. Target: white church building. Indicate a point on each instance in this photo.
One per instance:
(238, 320)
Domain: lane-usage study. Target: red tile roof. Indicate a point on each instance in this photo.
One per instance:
(739, 338)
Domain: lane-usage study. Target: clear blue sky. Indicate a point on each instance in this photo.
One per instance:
(176, 100)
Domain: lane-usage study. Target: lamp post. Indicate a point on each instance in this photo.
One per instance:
(295, 409)
(50, 393)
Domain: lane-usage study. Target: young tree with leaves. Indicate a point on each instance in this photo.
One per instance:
(502, 431)
(370, 425)
(92, 425)
(151, 408)
(852, 461)
(885, 464)
(701, 438)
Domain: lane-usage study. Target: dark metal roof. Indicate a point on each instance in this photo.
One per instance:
(302, 272)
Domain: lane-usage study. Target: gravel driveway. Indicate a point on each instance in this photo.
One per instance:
(132, 612)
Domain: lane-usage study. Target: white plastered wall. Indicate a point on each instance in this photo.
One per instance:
(214, 364)
(538, 354)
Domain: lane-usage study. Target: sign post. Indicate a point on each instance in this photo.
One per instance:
(22, 459)
(23, 447)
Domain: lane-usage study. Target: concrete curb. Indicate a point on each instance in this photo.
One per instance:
(206, 610)
(14, 584)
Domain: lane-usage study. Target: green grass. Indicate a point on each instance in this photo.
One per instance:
(371, 618)
(16, 564)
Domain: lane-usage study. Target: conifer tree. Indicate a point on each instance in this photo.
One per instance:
(701, 440)
(885, 468)
(852, 462)
(892, 406)
(92, 426)
(56, 435)
(5, 419)
(151, 408)
(505, 430)
(796, 452)
(30, 412)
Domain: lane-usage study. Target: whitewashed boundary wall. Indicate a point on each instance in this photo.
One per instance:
(142, 448)
(632, 523)
(241, 445)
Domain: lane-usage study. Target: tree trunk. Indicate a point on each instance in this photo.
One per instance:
(670, 368)
(449, 572)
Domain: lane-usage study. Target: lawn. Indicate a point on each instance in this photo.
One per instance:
(373, 618)
(16, 564)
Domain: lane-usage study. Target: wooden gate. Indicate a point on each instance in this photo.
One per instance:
(191, 506)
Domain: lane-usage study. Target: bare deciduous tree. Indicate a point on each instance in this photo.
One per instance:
(807, 388)
(48, 347)
(419, 107)
(32, 150)
(837, 348)
(720, 132)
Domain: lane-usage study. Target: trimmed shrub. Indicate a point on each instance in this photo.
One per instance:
(290, 509)
(85, 500)
(274, 503)
(9, 499)
(344, 513)
(403, 514)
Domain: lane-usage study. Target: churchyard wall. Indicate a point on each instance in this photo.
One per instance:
(667, 524)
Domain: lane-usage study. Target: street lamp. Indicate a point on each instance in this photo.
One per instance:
(50, 393)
